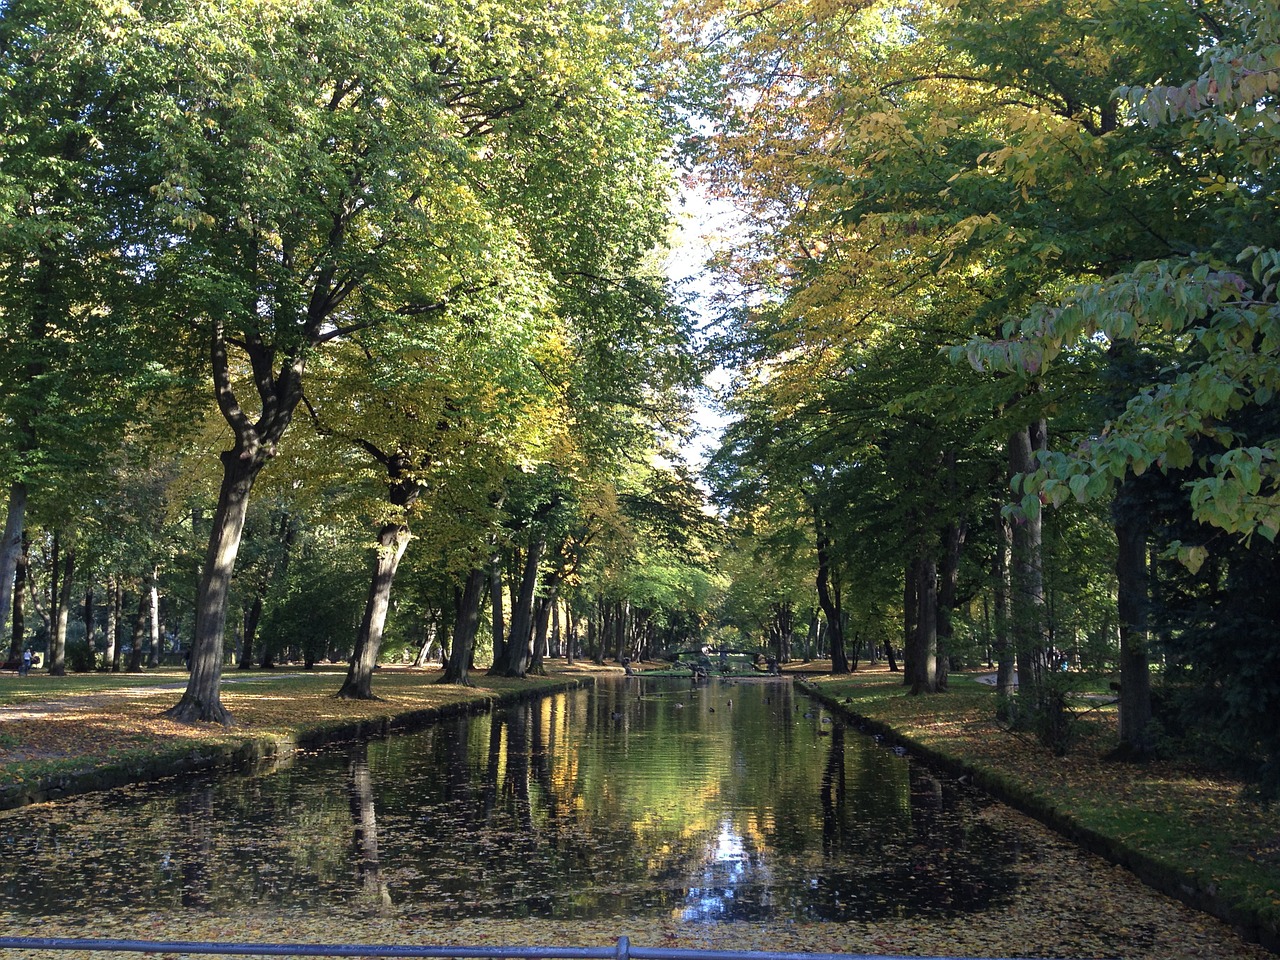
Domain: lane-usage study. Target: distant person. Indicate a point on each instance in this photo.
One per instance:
(25, 668)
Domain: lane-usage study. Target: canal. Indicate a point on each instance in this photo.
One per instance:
(713, 814)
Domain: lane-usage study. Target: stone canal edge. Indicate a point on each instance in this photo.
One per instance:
(1172, 880)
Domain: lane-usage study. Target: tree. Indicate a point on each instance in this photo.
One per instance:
(357, 136)
(75, 365)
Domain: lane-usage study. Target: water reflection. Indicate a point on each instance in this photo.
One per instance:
(364, 817)
(644, 798)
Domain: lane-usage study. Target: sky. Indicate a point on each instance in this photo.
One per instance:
(704, 226)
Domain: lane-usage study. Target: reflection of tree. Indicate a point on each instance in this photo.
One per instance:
(365, 822)
(493, 766)
(833, 795)
(516, 784)
(196, 852)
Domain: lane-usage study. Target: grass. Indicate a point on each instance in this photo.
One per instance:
(1189, 830)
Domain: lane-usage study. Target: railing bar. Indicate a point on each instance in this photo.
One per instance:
(623, 951)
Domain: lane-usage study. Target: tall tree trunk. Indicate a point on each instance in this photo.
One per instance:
(923, 662)
(20, 575)
(393, 539)
(1028, 604)
(520, 638)
(61, 604)
(202, 701)
(544, 607)
(429, 630)
(596, 631)
(811, 635)
(466, 623)
(249, 634)
(830, 608)
(948, 583)
(888, 651)
(11, 546)
(111, 653)
(621, 609)
(497, 617)
(570, 632)
(1132, 601)
(1006, 685)
(910, 614)
(87, 619)
(139, 636)
(153, 599)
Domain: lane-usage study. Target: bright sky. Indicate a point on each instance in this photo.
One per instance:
(704, 226)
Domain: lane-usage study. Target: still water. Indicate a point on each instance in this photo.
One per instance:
(643, 798)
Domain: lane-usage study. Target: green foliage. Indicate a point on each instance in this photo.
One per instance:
(316, 610)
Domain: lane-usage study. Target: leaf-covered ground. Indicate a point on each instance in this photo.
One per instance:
(1201, 822)
(1155, 930)
(1198, 823)
(54, 728)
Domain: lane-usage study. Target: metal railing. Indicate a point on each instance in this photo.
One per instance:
(623, 951)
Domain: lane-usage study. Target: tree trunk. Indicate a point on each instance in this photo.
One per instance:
(923, 662)
(570, 633)
(595, 632)
(1028, 604)
(20, 574)
(393, 539)
(252, 617)
(11, 546)
(910, 613)
(111, 653)
(830, 608)
(61, 612)
(429, 628)
(783, 628)
(88, 626)
(497, 619)
(153, 599)
(1006, 685)
(139, 634)
(620, 618)
(1135, 670)
(466, 624)
(811, 635)
(544, 607)
(948, 583)
(520, 639)
(202, 701)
